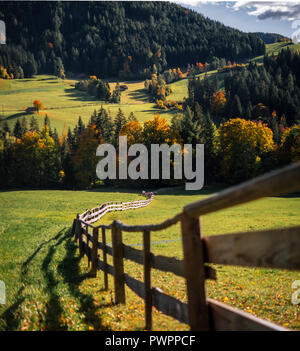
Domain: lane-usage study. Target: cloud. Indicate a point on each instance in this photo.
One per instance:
(279, 10)
(197, 2)
(272, 9)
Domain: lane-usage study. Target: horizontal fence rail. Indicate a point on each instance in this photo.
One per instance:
(95, 214)
(276, 248)
(272, 248)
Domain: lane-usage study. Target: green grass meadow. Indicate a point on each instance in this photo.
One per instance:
(64, 104)
(48, 286)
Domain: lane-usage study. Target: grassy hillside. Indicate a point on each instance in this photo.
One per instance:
(48, 286)
(275, 48)
(63, 104)
(146, 33)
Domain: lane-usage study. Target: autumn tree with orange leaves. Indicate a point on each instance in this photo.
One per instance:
(218, 103)
(38, 105)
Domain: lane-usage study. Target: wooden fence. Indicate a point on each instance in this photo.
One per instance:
(275, 248)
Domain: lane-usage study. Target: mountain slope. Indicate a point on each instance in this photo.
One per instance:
(116, 38)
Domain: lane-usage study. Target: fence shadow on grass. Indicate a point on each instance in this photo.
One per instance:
(11, 317)
(70, 271)
(54, 308)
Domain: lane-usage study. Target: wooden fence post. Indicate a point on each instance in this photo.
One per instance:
(194, 272)
(80, 243)
(147, 279)
(88, 246)
(104, 259)
(95, 252)
(77, 228)
(119, 278)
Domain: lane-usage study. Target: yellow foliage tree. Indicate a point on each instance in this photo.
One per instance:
(290, 145)
(133, 130)
(4, 74)
(37, 159)
(241, 145)
(158, 131)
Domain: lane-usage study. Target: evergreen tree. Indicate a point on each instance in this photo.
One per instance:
(119, 121)
(275, 129)
(18, 130)
(236, 107)
(71, 141)
(47, 122)
(55, 136)
(67, 166)
(190, 129)
(207, 136)
(93, 118)
(6, 128)
(24, 125)
(33, 125)
(132, 117)
(104, 125)
(80, 126)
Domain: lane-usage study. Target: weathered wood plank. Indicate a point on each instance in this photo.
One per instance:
(135, 285)
(226, 318)
(147, 279)
(108, 249)
(83, 222)
(163, 263)
(168, 264)
(80, 240)
(77, 228)
(118, 265)
(175, 266)
(151, 227)
(89, 236)
(109, 269)
(88, 254)
(133, 254)
(274, 248)
(194, 272)
(104, 250)
(86, 250)
(170, 306)
(284, 180)
(95, 252)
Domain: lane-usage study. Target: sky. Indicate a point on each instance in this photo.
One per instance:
(273, 16)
